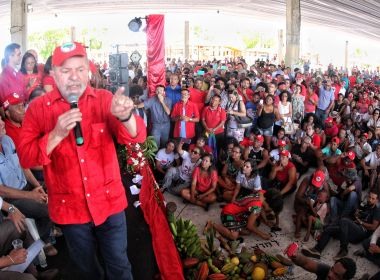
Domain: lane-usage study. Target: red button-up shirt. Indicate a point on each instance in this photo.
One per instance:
(84, 183)
(12, 81)
(191, 110)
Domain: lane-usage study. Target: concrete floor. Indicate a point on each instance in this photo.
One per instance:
(279, 241)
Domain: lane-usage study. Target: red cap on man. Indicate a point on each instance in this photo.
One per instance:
(351, 155)
(260, 138)
(335, 140)
(318, 178)
(67, 50)
(281, 143)
(12, 99)
(329, 120)
(285, 153)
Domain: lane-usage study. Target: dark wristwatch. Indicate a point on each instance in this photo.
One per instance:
(11, 209)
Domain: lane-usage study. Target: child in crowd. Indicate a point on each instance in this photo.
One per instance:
(316, 218)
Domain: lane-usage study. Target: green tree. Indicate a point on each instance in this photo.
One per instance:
(46, 42)
(251, 42)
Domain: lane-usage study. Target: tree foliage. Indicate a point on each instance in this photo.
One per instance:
(251, 42)
(46, 42)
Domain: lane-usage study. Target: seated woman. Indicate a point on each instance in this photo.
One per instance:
(283, 174)
(240, 217)
(227, 182)
(247, 181)
(201, 143)
(203, 185)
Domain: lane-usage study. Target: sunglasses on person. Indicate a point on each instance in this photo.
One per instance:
(195, 152)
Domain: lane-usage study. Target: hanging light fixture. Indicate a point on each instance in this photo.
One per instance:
(135, 24)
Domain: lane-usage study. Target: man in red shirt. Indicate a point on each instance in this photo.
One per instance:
(244, 90)
(331, 129)
(185, 114)
(12, 80)
(86, 195)
(213, 119)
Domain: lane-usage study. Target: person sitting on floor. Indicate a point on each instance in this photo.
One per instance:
(203, 185)
(305, 196)
(240, 217)
(317, 215)
(283, 174)
(178, 178)
(165, 158)
(227, 182)
(247, 181)
(366, 220)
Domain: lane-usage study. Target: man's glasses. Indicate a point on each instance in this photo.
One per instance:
(195, 152)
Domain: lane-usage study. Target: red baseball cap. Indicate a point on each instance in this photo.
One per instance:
(12, 99)
(365, 135)
(329, 120)
(281, 143)
(351, 155)
(335, 140)
(67, 50)
(260, 138)
(318, 178)
(285, 153)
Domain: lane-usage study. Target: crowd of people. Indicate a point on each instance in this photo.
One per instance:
(247, 136)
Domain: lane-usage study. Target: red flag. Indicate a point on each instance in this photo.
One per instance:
(165, 250)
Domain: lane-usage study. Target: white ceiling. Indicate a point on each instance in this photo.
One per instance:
(360, 17)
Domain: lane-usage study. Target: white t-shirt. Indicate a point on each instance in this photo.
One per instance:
(187, 167)
(250, 183)
(166, 160)
(373, 160)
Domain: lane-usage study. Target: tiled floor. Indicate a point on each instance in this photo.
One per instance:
(279, 241)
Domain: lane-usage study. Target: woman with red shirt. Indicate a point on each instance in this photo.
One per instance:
(283, 174)
(203, 186)
(30, 72)
(48, 81)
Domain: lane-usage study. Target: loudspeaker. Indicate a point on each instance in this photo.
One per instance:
(118, 73)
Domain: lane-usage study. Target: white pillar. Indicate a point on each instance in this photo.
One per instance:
(187, 40)
(293, 27)
(19, 23)
(280, 56)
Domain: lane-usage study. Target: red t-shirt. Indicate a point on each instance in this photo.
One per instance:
(309, 107)
(246, 142)
(198, 97)
(191, 110)
(248, 92)
(316, 140)
(247, 204)
(204, 182)
(283, 175)
(13, 131)
(213, 118)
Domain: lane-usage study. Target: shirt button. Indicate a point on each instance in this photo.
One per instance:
(107, 191)
(85, 178)
(63, 201)
(88, 195)
(82, 160)
(101, 130)
(48, 103)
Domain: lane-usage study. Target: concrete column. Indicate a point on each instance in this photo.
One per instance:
(187, 40)
(280, 56)
(346, 57)
(19, 23)
(293, 27)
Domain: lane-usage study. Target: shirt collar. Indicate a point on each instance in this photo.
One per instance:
(89, 91)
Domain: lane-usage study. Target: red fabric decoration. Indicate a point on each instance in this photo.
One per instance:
(152, 205)
(155, 52)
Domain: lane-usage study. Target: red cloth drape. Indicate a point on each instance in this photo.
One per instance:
(155, 52)
(167, 257)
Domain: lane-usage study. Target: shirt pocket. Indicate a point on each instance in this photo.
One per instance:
(98, 134)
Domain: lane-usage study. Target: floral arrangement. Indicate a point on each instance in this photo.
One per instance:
(133, 156)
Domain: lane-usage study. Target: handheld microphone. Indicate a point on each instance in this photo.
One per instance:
(73, 100)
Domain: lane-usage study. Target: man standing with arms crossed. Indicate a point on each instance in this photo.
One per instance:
(86, 195)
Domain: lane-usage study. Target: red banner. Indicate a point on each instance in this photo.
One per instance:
(155, 32)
